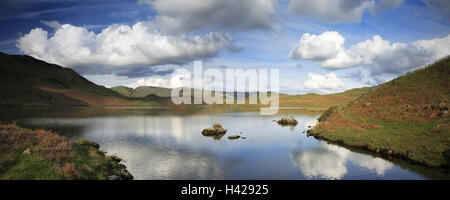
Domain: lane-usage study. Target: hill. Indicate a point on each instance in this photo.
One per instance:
(31, 82)
(143, 91)
(27, 81)
(311, 101)
(406, 117)
(158, 91)
(126, 91)
(317, 102)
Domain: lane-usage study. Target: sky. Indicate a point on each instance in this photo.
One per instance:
(321, 46)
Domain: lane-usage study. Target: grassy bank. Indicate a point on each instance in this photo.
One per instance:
(406, 117)
(43, 155)
(427, 143)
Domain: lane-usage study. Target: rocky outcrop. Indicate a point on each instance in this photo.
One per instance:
(217, 129)
(287, 122)
(234, 137)
(85, 142)
(443, 113)
(124, 174)
(28, 151)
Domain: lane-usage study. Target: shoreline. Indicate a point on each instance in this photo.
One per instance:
(383, 153)
(124, 173)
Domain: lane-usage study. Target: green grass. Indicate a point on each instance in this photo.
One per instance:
(53, 157)
(92, 163)
(19, 166)
(126, 91)
(420, 142)
(396, 123)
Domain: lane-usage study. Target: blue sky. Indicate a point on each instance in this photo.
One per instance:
(320, 46)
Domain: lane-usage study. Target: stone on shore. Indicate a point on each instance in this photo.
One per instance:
(367, 104)
(114, 158)
(126, 175)
(84, 142)
(28, 151)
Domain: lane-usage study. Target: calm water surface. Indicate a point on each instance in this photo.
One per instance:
(168, 144)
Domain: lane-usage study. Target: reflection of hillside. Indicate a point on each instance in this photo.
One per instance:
(62, 127)
(329, 162)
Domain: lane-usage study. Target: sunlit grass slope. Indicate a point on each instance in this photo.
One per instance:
(406, 117)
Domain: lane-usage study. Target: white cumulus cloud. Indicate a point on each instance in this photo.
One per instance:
(377, 55)
(179, 78)
(153, 81)
(191, 15)
(323, 83)
(318, 47)
(120, 49)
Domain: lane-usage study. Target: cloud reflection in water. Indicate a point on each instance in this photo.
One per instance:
(330, 162)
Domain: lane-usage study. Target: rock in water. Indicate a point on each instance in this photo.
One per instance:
(215, 130)
(233, 137)
(126, 175)
(115, 159)
(287, 122)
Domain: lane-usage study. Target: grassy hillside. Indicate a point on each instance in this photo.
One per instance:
(321, 102)
(39, 154)
(406, 117)
(158, 91)
(142, 91)
(32, 82)
(311, 102)
(126, 91)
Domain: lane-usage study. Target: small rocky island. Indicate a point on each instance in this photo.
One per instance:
(234, 137)
(217, 129)
(287, 122)
(217, 132)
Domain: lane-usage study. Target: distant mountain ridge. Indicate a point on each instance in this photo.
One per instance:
(27, 81)
(143, 91)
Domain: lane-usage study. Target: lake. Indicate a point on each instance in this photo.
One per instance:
(161, 143)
